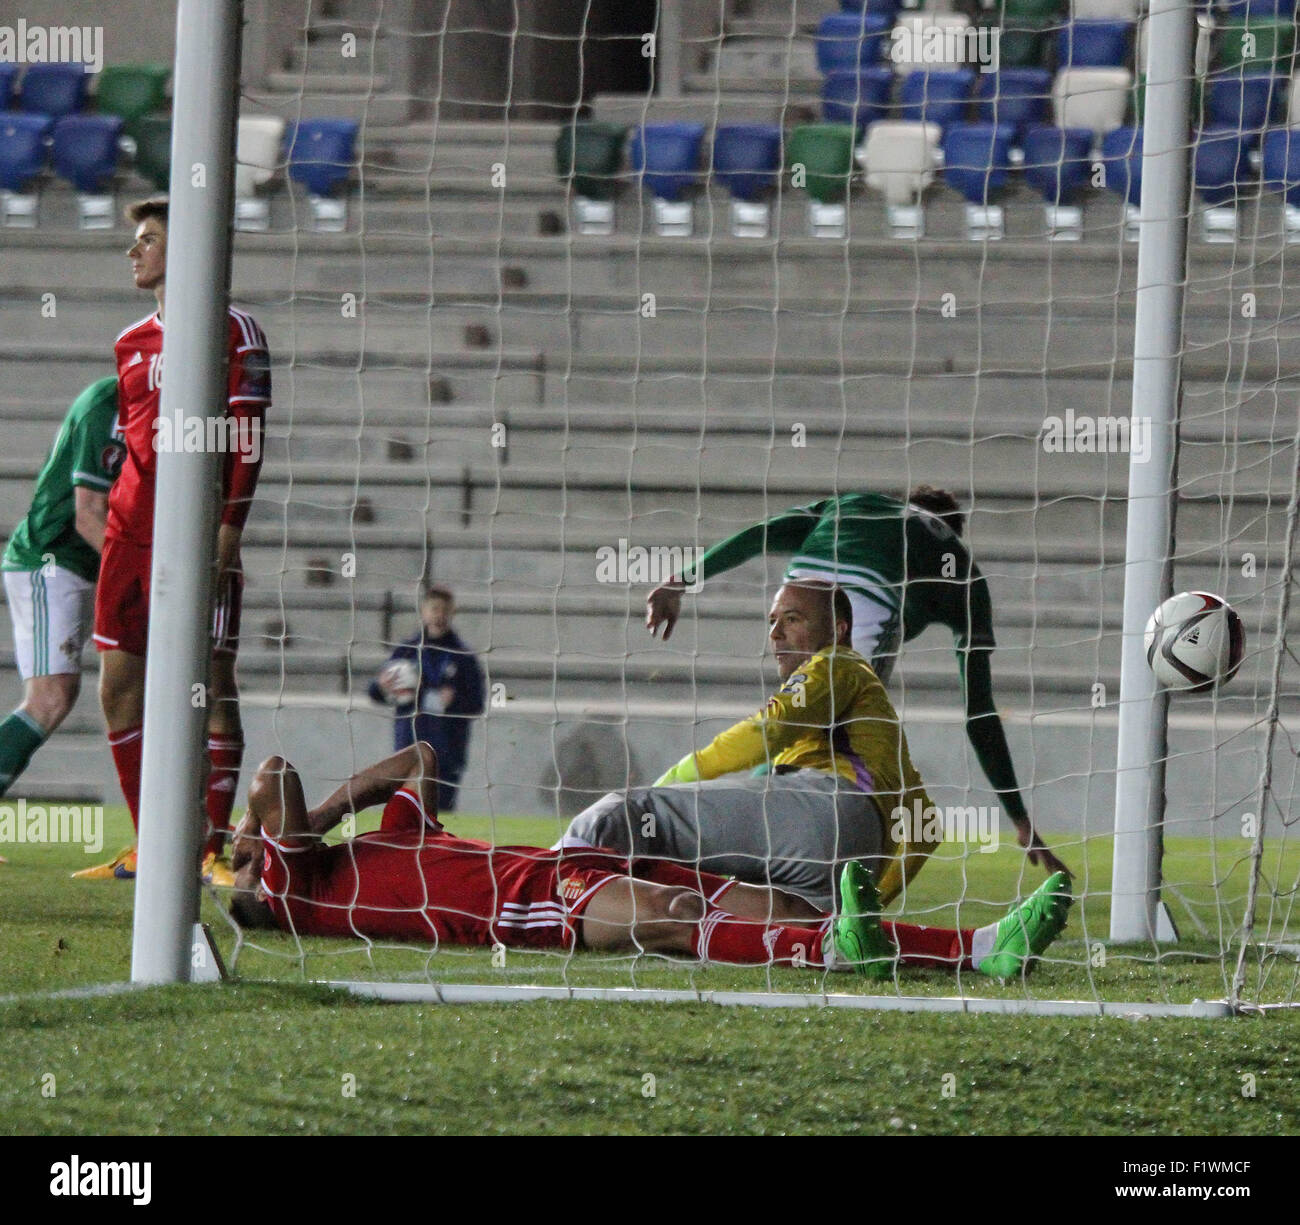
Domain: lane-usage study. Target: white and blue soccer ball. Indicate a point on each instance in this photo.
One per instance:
(1195, 642)
(398, 680)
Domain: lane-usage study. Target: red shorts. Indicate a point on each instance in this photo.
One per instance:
(122, 602)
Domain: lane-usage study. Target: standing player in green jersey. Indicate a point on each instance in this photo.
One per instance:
(904, 567)
(50, 568)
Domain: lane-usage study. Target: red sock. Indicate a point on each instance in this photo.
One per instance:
(224, 756)
(942, 948)
(127, 747)
(751, 942)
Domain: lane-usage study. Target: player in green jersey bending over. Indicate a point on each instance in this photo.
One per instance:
(904, 567)
(50, 568)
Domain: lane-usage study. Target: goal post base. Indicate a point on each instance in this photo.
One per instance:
(486, 993)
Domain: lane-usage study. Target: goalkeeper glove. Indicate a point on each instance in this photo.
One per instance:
(685, 771)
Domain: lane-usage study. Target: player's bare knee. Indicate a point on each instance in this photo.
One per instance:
(428, 759)
(685, 906)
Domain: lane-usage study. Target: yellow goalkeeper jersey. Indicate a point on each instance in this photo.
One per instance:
(833, 714)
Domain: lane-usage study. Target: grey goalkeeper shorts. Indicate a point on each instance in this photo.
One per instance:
(789, 831)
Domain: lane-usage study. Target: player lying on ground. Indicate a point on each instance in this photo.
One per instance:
(50, 567)
(122, 602)
(840, 771)
(411, 880)
(904, 568)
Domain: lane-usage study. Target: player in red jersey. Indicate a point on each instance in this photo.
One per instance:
(122, 601)
(411, 880)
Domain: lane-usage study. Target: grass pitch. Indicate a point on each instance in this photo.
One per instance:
(281, 1055)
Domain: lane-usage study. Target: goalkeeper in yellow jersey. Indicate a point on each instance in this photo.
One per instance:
(840, 768)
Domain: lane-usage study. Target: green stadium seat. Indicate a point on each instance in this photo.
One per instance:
(153, 149)
(825, 153)
(1024, 42)
(1273, 46)
(589, 157)
(132, 91)
(1014, 12)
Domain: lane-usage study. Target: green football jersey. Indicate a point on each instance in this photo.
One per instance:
(895, 554)
(88, 451)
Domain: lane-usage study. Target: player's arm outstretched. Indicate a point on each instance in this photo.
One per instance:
(984, 728)
(782, 534)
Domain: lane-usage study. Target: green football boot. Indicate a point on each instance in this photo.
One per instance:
(1029, 928)
(856, 939)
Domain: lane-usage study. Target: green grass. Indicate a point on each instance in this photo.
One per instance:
(272, 1056)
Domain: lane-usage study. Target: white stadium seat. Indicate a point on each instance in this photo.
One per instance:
(1108, 10)
(905, 47)
(899, 160)
(257, 157)
(1095, 98)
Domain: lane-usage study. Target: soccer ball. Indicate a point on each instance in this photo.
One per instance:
(1194, 642)
(398, 680)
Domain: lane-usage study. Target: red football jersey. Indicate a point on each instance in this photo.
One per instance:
(139, 381)
(409, 880)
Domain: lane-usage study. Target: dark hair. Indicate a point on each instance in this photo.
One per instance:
(142, 210)
(247, 911)
(941, 503)
(435, 591)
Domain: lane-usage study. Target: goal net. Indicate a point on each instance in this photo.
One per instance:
(593, 290)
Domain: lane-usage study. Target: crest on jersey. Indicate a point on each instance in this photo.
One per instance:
(112, 457)
(571, 888)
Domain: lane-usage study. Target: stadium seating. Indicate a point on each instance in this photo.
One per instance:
(1271, 46)
(8, 82)
(859, 98)
(1015, 96)
(976, 163)
(939, 96)
(909, 35)
(54, 89)
(153, 149)
(1094, 43)
(848, 41)
(258, 141)
(132, 91)
(1115, 10)
(819, 157)
(1121, 158)
(1057, 164)
(321, 158)
(899, 162)
(747, 161)
(1024, 42)
(1219, 167)
(1095, 98)
(870, 6)
(666, 158)
(589, 159)
(1257, 8)
(24, 153)
(1242, 100)
(1280, 171)
(84, 152)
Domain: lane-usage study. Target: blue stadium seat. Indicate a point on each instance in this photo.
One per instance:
(1244, 101)
(85, 150)
(977, 162)
(666, 156)
(747, 162)
(1280, 168)
(24, 151)
(938, 95)
(846, 41)
(1058, 161)
(859, 98)
(321, 154)
(1121, 156)
(54, 89)
(8, 82)
(977, 159)
(747, 158)
(888, 7)
(1020, 97)
(1256, 8)
(1219, 164)
(1094, 43)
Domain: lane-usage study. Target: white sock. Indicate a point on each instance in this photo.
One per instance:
(981, 943)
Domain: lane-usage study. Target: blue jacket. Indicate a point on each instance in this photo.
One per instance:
(441, 661)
